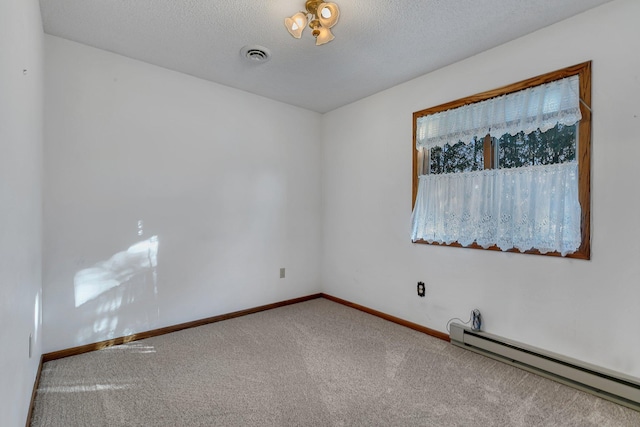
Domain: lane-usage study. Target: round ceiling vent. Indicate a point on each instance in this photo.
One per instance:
(255, 54)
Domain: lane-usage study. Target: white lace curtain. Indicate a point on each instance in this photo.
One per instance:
(540, 107)
(523, 208)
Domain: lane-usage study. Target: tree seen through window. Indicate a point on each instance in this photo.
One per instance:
(556, 145)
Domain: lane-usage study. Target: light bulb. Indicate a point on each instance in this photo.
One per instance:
(296, 24)
(325, 36)
(300, 19)
(328, 14)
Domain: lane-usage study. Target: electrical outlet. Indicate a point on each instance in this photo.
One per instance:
(282, 273)
(30, 345)
(421, 289)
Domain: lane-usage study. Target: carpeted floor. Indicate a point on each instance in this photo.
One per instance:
(316, 363)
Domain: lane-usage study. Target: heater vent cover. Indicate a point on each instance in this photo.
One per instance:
(614, 386)
(255, 54)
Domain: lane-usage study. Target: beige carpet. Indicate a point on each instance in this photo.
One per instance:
(316, 363)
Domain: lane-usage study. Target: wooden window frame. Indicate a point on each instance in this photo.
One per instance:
(583, 154)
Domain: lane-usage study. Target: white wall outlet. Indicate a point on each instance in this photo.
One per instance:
(282, 273)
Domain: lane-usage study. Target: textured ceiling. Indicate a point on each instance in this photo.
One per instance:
(378, 44)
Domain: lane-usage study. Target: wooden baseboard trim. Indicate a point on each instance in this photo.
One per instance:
(36, 384)
(390, 318)
(167, 330)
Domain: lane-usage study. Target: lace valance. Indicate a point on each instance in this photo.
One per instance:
(540, 107)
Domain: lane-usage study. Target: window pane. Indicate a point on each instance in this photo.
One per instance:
(459, 157)
(557, 145)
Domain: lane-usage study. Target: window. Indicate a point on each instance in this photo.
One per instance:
(507, 169)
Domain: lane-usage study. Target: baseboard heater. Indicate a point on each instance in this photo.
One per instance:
(614, 386)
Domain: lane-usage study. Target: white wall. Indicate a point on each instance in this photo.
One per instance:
(584, 309)
(217, 174)
(20, 204)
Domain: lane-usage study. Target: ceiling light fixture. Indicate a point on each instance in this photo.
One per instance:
(323, 17)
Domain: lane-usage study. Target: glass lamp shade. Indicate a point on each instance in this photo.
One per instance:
(328, 14)
(325, 36)
(296, 24)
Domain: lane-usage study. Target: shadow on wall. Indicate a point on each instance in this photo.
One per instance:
(119, 296)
